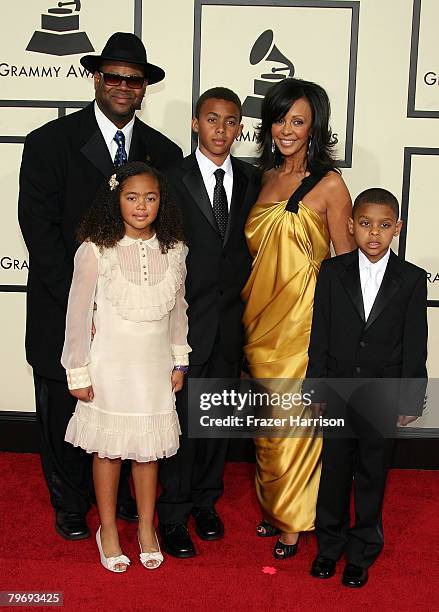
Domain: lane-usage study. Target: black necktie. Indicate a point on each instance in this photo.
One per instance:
(220, 207)
(121, 155)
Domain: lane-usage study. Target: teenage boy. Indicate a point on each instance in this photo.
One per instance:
(370, 322)
(215, 191)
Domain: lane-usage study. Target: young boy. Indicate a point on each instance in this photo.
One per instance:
(215, 192)
(369, 322)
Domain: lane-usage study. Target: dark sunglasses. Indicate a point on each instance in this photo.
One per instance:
(113, 80)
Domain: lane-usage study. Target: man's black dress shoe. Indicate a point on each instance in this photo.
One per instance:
(208, 525)
(322, 567)
(354, 576)
(127, 511)
(70, 525)
(176, 540)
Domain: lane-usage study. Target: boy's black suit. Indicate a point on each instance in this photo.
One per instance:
(216, 274)
(392, 343)
(64, 164)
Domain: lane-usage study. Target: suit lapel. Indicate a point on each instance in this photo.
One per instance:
(195, 185)
(350, 278)
(240, 183)
(137, 147)
(389, 286)
(94, 147)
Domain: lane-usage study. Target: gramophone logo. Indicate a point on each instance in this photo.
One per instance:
(264, 49)
(59, 34)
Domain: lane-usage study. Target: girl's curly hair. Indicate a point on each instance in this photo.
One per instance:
(103, 224)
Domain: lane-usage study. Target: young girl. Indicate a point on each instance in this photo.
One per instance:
(129, 282)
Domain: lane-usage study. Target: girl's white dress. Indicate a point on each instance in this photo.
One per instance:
(134, 294)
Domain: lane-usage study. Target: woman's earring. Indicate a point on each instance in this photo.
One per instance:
(273, 146)
(309, 145)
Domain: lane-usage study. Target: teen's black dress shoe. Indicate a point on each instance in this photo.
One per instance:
(127, 511)
(176, 540)
(322, 567)
(208, 525)
(354, 576)
(70, 525)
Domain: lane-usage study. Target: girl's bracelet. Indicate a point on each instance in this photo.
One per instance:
(182, 368)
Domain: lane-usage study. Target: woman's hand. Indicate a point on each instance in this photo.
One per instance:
(318, 409)
(177, 379)
(85, 395)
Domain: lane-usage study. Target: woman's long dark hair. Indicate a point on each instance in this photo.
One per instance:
(103, 224)
(275, 106)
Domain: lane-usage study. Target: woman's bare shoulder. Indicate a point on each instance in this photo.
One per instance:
(334, 185)
(333, 180)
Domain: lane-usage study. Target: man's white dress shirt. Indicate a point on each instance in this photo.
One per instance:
(108, 130)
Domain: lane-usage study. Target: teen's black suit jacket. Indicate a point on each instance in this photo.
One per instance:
(63, 166)
(217, 271)
(392, 343)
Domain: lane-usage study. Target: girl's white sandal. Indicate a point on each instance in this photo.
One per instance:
(147, 557)
(110, 562)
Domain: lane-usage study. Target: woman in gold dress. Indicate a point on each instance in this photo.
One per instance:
(303, 206)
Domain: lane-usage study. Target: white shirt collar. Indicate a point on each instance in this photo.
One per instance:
(208, 167)
(108, 129)
(378, 266)
(151, 242)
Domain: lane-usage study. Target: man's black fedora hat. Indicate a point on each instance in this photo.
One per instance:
(124, 47)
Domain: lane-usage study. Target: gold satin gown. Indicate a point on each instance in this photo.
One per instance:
(287, 248)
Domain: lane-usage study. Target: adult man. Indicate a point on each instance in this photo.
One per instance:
(64, 163)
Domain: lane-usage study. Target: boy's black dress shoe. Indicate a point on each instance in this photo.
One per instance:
(176, 540)
(127, 511)
(70, 525)
(322, 567)
(208, 525)
(354, 576)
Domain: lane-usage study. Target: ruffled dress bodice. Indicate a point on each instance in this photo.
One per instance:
(139, 280)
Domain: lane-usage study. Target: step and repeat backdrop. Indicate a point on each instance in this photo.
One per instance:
(378, 60)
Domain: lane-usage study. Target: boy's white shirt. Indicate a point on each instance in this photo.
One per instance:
(207, 169)
(371, 277)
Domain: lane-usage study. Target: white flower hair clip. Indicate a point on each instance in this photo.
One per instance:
(113, 182)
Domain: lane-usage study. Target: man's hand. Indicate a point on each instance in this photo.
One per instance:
(177, 379)
(405, 420)
(85, 395)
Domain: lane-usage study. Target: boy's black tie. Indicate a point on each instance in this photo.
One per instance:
(220, 206)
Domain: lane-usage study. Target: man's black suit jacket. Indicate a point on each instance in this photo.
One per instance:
(216, 270)
(391, 344)
(63, 166)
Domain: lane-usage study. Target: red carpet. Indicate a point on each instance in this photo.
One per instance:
(228, 574)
